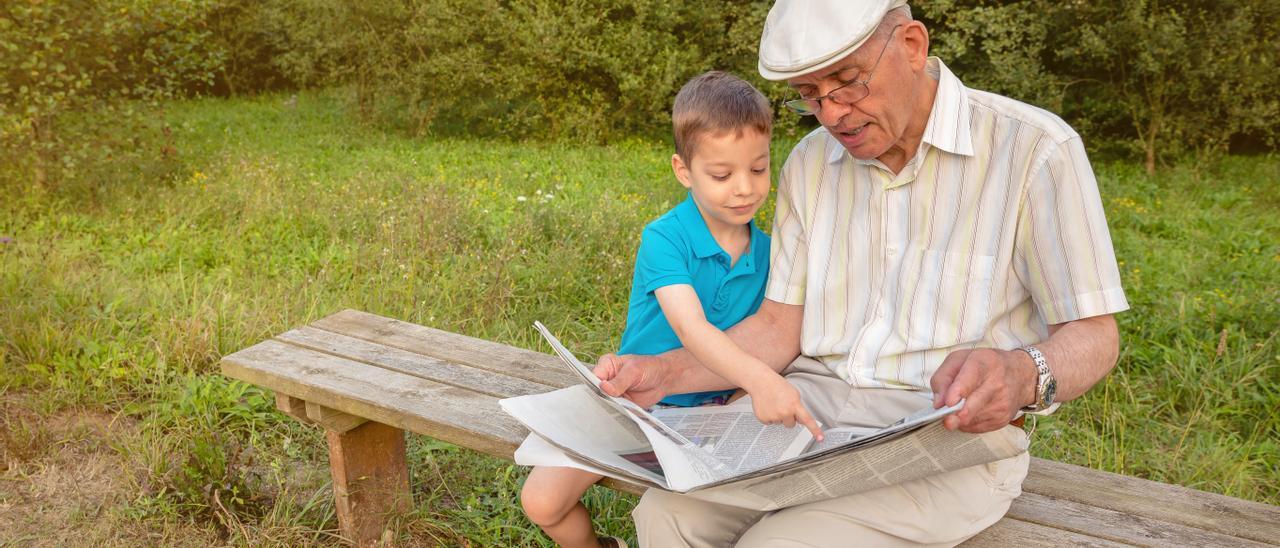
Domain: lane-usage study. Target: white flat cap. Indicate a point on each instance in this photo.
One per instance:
(801, 36)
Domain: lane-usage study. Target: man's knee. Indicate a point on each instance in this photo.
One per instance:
(668, 519)
(654, 512)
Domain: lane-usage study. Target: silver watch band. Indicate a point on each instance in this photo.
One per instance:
(1043, 377)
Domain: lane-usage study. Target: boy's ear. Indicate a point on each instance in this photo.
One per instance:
(681, 170)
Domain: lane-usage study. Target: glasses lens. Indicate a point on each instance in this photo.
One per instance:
(851, 93)
(803, 107)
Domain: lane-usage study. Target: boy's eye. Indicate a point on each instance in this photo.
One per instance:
(720, 177)
(760, 170)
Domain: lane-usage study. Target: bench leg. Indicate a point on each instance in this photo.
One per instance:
(370, 480)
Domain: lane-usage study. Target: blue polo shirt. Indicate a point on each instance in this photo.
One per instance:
(677, 248)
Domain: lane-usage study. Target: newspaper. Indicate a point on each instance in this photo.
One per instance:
(723, 454)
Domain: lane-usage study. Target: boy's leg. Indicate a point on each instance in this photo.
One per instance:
(551, 497)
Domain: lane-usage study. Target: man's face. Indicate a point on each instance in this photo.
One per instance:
(870, 127)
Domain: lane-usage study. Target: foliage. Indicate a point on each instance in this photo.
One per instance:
(591, 70)
(286, 214)
(1159, 78)
(61, 60)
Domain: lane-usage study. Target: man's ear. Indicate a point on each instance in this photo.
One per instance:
(916, 39)
(681, 170)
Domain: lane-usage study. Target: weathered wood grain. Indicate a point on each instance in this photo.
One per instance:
(332, 419)
(1154, 500)
(412, 363)
(370, 480)
(1117, 526)
(1012, 532)
(451, 347)
(294, 407)
(441, 411)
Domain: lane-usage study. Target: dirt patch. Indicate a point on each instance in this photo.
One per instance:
(62, 482)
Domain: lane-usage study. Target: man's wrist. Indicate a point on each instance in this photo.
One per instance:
(1027, 378)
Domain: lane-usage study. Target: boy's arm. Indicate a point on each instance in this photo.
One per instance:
(772, 335)
(719, 353)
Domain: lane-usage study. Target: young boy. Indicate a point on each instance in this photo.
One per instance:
(701, 268)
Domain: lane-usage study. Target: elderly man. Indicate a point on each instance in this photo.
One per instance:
(929, 240)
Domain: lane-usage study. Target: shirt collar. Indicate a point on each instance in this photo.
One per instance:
(948, 126)
(704, 244)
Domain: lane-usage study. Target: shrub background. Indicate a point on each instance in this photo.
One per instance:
(1140, 79)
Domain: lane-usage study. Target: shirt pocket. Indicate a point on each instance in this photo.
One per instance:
(951, 302)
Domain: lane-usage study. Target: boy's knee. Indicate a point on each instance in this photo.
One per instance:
(542, 505)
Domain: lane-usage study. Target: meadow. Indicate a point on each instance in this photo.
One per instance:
(118, 298)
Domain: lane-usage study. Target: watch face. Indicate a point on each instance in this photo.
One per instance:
(1050, 389)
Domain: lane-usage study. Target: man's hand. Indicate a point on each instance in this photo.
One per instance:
(993, 383)
(775, 401)
(637, 378)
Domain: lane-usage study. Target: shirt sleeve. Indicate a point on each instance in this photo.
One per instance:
(1064, 255)
(789, 250)
(661, 261)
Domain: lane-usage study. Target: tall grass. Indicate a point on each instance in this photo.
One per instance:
(285, 211)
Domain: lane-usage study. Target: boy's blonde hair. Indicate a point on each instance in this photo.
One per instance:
(715, 102)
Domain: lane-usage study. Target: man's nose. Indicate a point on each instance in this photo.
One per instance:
(830, 112)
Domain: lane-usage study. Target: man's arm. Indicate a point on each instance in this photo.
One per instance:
(997, 383)
(772, 335)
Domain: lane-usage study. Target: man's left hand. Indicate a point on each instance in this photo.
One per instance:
(993, 383)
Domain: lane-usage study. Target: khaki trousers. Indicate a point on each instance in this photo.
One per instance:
(941, 510)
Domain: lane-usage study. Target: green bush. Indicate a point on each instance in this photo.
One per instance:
(62, 59)
(595, 70)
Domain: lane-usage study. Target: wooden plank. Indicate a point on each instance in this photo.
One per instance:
(461, 417)
(444, 412)
(332, 419)
(451, 347)
(1112, 525)
(294, 407)
(1013, 532)
(370, 480)
(411, 363)
(1153, 500)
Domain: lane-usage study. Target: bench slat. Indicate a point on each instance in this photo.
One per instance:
(1014, 532)
(451, 347)
(444, 412)
(412, 363)
(1118, 526)
(1154, 500)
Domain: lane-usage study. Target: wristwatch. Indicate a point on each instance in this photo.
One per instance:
(1046, 385)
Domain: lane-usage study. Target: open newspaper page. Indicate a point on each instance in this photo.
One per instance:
(725, 455)
(590, 378)
(926, 451)
(732, 434)
(588, 427)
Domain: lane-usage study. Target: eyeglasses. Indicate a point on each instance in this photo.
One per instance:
(847, 94)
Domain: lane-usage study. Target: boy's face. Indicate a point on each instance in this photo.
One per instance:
(728, 175)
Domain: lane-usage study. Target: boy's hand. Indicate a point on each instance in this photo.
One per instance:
(775, 401)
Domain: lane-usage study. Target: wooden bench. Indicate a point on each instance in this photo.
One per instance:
(366, 379)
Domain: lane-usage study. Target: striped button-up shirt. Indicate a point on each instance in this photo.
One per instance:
(993, 231)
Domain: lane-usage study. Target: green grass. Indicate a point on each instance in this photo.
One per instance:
(122, 299)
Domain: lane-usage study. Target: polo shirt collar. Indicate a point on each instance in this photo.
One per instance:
(948, 126)
(704, 244)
